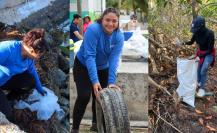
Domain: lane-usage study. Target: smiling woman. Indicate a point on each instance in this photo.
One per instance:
(109, 20)
(96, 63)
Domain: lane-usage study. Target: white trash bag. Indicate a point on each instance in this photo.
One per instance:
(138, 43)
(44, 105)
(77, 46)
(187, 77)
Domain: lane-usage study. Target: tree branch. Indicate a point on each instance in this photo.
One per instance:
(152, 82)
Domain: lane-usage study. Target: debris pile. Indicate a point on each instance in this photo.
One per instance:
(167, 113)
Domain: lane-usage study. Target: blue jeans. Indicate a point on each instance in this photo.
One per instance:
(202, 71)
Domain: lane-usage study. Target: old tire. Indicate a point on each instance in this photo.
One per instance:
(111, 108)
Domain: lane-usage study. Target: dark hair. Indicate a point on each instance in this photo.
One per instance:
(109, 10)
(133, 16)
(87, 17)
(35, 39)
(76, 16)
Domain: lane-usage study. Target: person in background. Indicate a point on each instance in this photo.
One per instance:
(74, 35)
(96, 63)
(205, 39)
(17, 68)
(86, 23)
(133, 24)
(74, 29)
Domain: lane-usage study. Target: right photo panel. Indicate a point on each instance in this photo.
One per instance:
(182, 69)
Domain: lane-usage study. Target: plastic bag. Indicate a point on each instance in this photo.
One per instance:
(187, 77)
(77, 46)
(44, 105)
(138, 43)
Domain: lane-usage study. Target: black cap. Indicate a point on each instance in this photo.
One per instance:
(197, 24)
(133, 16)
(75, 16)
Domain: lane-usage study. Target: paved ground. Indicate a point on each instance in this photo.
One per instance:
(136, 126)
(85, 129)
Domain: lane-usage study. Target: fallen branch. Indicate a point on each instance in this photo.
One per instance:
(163, 46)
(168, 58)
(154, 66)
(152, 82)
(10, 35)
(157, 44)
(169, 123)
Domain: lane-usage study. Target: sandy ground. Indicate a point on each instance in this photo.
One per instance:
(86, 129)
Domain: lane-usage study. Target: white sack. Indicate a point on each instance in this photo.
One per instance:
(187, 77)
(138, 43)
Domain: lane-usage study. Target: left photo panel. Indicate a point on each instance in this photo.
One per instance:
(34, 66)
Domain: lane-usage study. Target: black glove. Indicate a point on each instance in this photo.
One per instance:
(42, 92)
(201, 55)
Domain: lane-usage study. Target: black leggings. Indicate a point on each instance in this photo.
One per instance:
(16, 86)
(84, 91)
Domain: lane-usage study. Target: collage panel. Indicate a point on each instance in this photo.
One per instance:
(34, 66)
(109, 76)
(182, 68)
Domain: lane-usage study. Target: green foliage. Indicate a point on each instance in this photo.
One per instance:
(162, 3)
(189, 1)
(169, 18)
(140, 5)
(209, 9)
(173, 18)
(127, 4)
(112, 3)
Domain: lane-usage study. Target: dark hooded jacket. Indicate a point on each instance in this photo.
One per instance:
(203, 36)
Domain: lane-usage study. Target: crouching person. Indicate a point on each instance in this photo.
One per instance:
(205, 39)
(17, 68)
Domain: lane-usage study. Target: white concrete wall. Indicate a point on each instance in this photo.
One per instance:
(96, 5)
(89, 5)
(85, 6)
(10, 3)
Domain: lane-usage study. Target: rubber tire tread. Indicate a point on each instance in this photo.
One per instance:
(114, 111)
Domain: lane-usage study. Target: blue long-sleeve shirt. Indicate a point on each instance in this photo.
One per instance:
(100, 51)
(12, 63)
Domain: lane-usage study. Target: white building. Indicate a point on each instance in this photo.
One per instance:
(93, 8)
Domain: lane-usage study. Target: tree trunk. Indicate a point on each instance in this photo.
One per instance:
(193, 5)
(134, 7)
(79, 9)
(119, 4)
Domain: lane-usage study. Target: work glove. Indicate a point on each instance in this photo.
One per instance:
(197, 59)
(201, 55)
